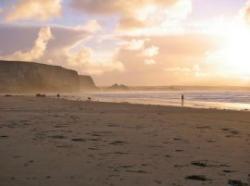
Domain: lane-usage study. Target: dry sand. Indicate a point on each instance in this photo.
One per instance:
(55, 142)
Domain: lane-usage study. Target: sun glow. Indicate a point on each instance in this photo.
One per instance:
(233, 57)
(237, 52)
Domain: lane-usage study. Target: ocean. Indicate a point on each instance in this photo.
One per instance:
(233, 100)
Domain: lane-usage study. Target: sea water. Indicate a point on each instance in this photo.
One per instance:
(235, 100)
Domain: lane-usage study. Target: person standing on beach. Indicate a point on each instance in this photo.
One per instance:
(182, 100)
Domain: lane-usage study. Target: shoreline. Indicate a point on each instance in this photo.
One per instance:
(61, 142)
(77, 99)
(191, 101)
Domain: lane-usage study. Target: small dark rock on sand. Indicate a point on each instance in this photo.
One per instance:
(40, 95)
(8, 95)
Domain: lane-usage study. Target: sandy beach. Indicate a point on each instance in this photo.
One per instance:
(56, 142)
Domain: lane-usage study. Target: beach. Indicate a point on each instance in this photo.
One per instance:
(57, 142)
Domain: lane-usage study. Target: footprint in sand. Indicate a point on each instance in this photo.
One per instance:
(236, 183)
(4, 136)
(197, 178)
(158, 182)
(58, 137)
(78, 140)
(167, 156)
(231, 132)
(199, 163)
(118, 142)
(138, 171)
(179, 150)
(229, 171)
(203, 127)
(206, 163)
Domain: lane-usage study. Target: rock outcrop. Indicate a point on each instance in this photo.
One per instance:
(120, 87)
(19, 77)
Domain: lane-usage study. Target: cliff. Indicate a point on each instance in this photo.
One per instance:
(18, 77)
(86, 83)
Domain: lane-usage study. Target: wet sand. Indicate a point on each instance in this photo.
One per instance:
(55, 142)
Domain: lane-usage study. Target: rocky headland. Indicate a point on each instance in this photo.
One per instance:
(19, 77)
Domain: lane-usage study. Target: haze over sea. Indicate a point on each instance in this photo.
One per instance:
(235, 100)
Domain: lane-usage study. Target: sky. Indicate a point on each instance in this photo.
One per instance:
(135, 42)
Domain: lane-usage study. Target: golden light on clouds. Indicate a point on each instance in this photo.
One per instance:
(37, 51)
(232, 58)
(34, 9)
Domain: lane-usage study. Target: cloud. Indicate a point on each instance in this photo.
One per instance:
(130, 23)
(135, 13)
(34, 10)
(38, 50)
(151, 51)
(149, 62)
(135, 44)
(83, 60)
(54, 46)
(246, 12)
(21, 38)
(91, 26)
(139, 47)
(169, 59)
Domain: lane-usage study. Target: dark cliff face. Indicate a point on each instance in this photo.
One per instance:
(86, 83)
(20, 77)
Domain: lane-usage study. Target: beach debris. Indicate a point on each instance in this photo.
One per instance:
(236, 183)
(197, 178)
(7, 95)
(40, 95)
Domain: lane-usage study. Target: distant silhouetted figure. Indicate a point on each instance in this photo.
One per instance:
(182, 100)
(89, 99)
(58, 96)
